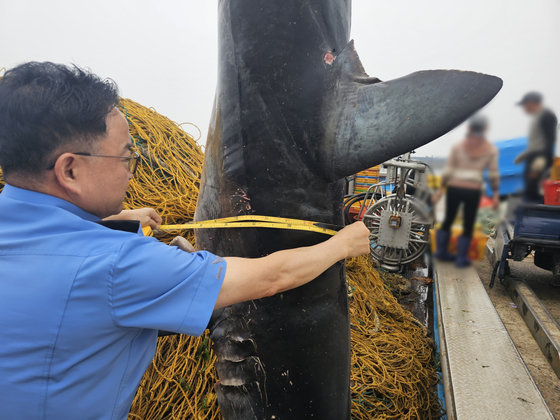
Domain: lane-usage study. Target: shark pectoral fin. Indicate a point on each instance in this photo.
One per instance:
(368, 122)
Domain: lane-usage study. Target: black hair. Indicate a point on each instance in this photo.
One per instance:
(478, 125)
(45, 107)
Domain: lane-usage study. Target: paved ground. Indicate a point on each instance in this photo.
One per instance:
(538, 280)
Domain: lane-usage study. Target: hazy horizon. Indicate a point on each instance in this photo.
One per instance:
(164, 54)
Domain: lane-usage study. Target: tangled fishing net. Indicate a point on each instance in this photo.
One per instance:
(168, 175)
(392, 375)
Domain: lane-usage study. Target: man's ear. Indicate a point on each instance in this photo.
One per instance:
(68, 170)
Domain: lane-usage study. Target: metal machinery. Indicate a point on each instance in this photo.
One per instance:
(398, 214)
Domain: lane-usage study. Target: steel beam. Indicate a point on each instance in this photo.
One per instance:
(544, 328)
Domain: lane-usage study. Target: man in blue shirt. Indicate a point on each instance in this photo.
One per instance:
(81, 304)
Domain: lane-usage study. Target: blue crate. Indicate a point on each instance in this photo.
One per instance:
(511, 175)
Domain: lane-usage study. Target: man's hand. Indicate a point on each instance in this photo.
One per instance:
(520, 158)
(146, 217)
(355, 238)
(538, 165)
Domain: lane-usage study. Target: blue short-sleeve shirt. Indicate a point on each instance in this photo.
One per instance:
(80, 306)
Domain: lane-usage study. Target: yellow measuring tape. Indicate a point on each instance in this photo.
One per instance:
(252, 221)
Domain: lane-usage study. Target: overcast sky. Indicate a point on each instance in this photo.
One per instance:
(163, 53)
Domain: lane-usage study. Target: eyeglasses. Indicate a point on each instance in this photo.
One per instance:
(132, 160)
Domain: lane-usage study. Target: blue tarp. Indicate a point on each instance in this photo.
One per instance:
(511, 175)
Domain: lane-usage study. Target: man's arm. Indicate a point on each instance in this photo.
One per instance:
(248, 279)
(549, 126)
(494, 178)
(521, 157)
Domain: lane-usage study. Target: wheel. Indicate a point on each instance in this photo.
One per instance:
(418, 235)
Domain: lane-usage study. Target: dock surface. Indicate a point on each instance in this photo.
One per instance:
(484, 375)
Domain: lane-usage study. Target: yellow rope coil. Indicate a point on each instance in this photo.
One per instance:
(168, 176)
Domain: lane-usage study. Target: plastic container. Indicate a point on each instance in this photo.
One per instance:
(353, 212)
(551, 192)
(555, 170)
(485, 202)
(366, 179)
(511, 175)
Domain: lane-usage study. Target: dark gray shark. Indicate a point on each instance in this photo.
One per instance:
(294, 113)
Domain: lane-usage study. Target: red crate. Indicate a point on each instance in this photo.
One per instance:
(551, 192)
(353, 213)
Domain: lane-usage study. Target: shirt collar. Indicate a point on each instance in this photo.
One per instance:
(35, 197)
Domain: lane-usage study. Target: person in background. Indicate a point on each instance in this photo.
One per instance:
(464, 178)
(539, 155)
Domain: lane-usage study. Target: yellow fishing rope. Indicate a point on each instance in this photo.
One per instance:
(392, 375)
(168, 177)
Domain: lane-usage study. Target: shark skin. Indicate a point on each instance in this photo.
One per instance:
(294, 113)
